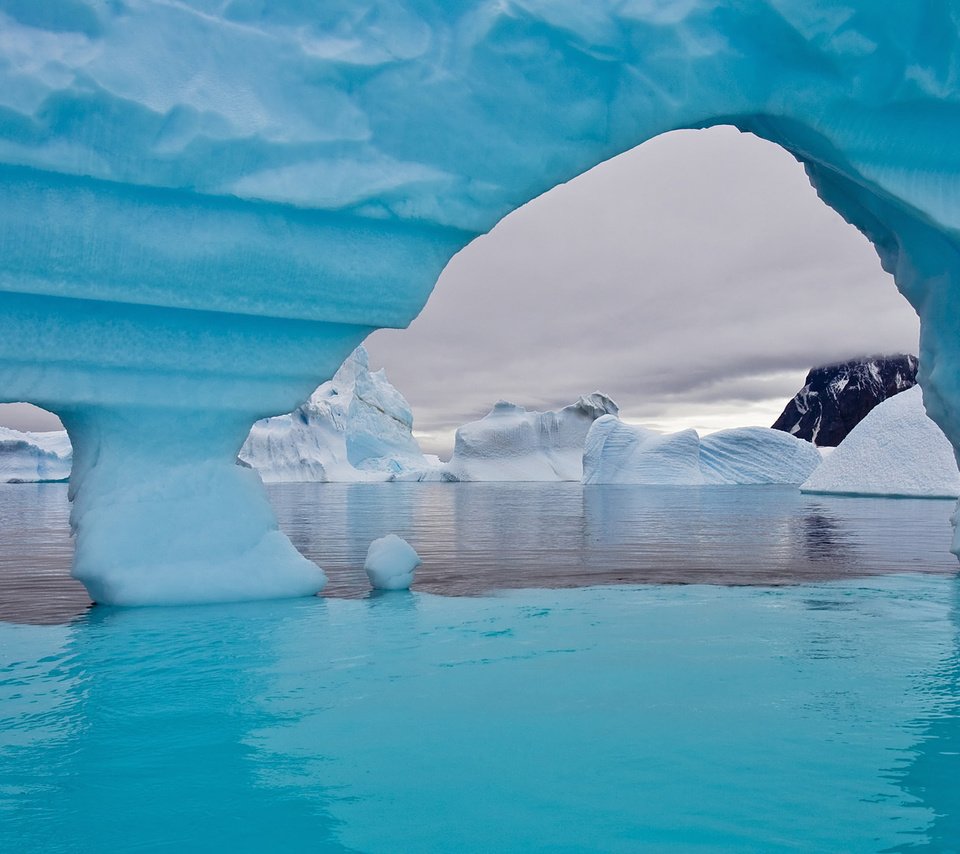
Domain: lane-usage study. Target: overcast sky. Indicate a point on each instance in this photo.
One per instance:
(694, 279)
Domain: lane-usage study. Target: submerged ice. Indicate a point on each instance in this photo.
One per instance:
(193, 239)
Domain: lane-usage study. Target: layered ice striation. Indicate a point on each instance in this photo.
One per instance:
(895, 451)
(617, 452)
(34, 457)
(208, 206)
(354, 427)
(511, 443)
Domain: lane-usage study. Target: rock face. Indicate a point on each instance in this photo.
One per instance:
(512, 444)
(616, 452)
(895, 451)
(354, 427)
(836, 398)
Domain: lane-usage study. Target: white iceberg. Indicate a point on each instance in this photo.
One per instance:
(355, 427)
(756, 455)
(511, 443)
(616, 452)
(34, 457)
(895, 451)
(390, 563)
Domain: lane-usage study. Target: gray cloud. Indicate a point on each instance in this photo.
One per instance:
(694, 279)
(688, 278)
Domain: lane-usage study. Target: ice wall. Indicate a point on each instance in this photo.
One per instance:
(208, 205)
(355, 427)
(511, 443)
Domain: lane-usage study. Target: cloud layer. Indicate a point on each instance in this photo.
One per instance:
(695, 279)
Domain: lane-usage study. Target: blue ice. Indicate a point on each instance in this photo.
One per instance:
(208, 206)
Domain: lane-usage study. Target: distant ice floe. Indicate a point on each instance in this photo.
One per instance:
(895, 451)
(617, 452)
(32, 457)
(391, 562)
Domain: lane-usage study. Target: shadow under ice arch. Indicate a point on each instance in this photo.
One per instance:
(205, 211)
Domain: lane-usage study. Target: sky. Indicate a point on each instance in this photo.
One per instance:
(694, 279)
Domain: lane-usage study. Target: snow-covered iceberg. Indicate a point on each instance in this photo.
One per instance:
(354, 427)
(616, 452)
(511, 443)
(34, 457)
(896, 450)
(208, 206)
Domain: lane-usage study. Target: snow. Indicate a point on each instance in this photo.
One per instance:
(896, 451)
(511, 443)
(30, 457)
(355, 427)
(390, 563)
(208, 206)
(617, 452)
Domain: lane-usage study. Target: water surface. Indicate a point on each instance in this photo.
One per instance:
(807, 718)
(479, 537)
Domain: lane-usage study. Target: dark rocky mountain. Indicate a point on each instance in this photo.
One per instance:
(837, 397)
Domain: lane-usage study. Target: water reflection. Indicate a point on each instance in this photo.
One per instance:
(933, 775)
(478, 537)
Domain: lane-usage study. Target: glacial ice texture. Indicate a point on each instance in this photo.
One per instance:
(206, 207)
(34, 457)
(616, 452)
(511, 443)
(354, 427)
(896, 451)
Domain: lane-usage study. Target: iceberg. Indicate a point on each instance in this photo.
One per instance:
(208, 206)
(511, 443)
(390, 563)
(34, 457)
(354, 427)
(616, 452)
(756, 455)
(896, 450)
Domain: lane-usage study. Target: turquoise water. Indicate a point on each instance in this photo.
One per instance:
(820, 717)
(806, 700)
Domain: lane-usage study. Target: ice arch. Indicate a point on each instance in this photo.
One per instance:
(207, 204)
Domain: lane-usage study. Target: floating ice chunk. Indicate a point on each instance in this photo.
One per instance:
(513, 444)
(896, 450)
(616, 452)
(390, 563)
(31, 457)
